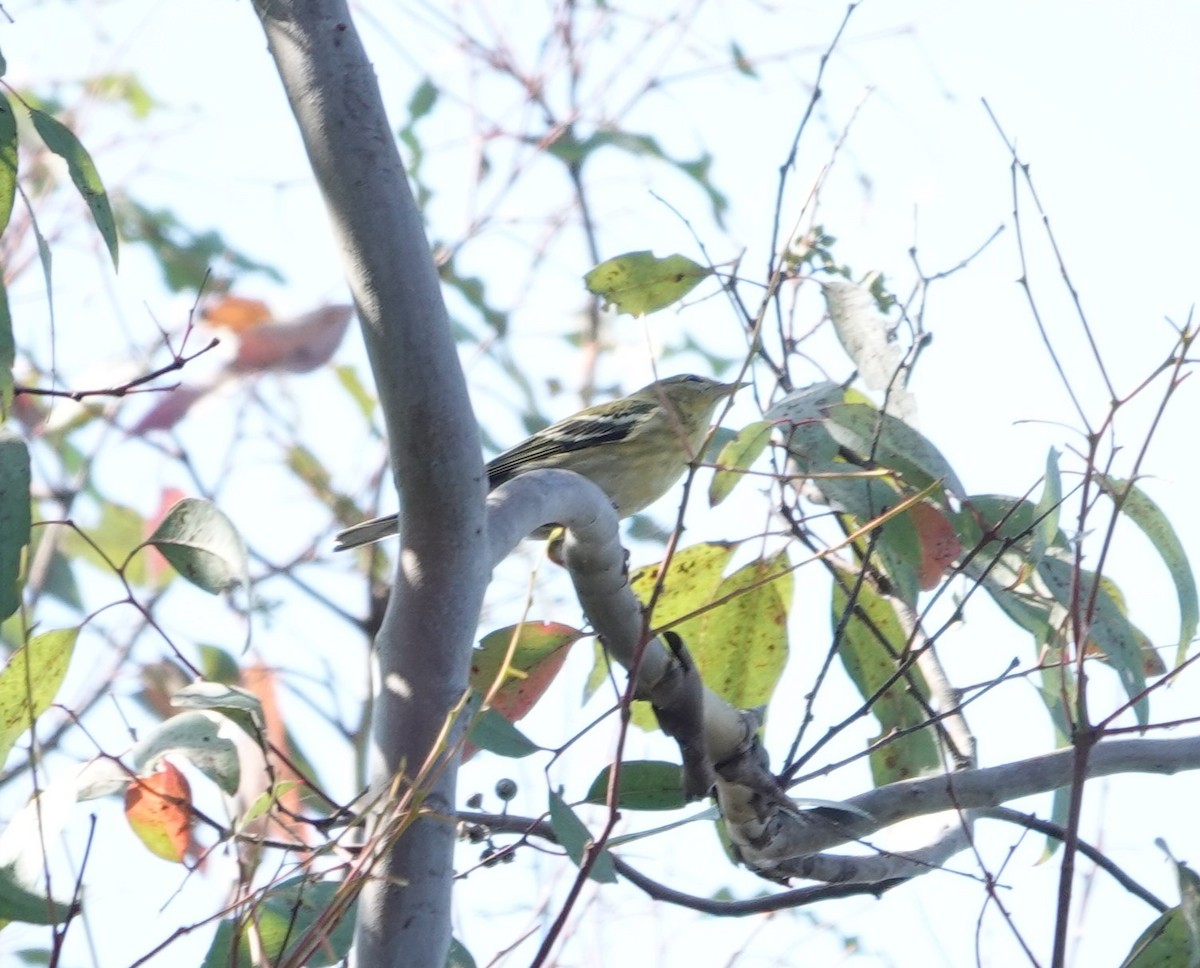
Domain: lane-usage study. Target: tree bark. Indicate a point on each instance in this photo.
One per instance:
(423, 647)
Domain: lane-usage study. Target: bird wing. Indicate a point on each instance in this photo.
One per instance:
(594, 426)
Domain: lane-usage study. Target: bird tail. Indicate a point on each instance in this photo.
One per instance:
(367, 532)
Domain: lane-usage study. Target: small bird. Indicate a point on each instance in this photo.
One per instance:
(633, 449)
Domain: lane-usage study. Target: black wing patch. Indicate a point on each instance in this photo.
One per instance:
(585, 429)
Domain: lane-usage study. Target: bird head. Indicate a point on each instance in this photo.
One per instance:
(691, 398)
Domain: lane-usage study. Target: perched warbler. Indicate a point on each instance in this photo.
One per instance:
(633, 449)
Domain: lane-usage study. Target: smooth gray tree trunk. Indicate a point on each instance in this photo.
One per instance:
(424, 645)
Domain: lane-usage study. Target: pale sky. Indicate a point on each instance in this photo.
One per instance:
(1100, 99)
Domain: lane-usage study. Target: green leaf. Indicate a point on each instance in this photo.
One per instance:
(1108, 628)
(1147, 515)
(59, 581)
(197, 738)
(1046, 511)
(8, 161)
(62, 142)
(1060, 814)
(203, 546)
(1173, 940)
(1166, 943)
(740, 61)
(280, 920)
(601, 670)
(996, 528)
(8, 354)
(15, 518)
(238, 705)
(30, 681)
(690, 583)
(39, 821)
(492, 732)
(1009, 524)
(574, 837)
(1027, 610)
(474, 291)
(1059, 693)
(217, 695)
(221, 950)
(17, 903)
(347, 375)
(217, 665)
(124, 88)
(645, 785)
(700, 171)
(119, 531)
(739, 646)
(570, 150)
(458, 956)
(896, 543)
(720, 439)
(893, 444)
(46, 260)
(265, 801)
(736, 457)
(874, 638)
(1059, 689)
(185, 255)
(639, 282)
(1189, 904)
(423, 99)
(800, 417)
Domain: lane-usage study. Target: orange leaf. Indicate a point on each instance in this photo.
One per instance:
(170, 408)
(158, 808)
(261, 680)
(236, 313)
(939, 543)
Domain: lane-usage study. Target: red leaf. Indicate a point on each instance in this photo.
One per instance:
(540, 651)
(939, 544)
(171, 408)
(296, 346)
